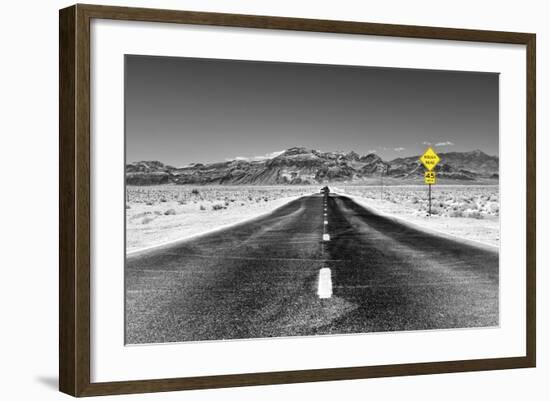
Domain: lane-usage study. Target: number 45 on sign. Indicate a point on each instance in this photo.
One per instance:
(429, 177)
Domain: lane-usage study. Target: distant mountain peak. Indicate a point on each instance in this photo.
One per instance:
(300, 165)
(296, 150)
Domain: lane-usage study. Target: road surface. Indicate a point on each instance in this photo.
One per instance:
(304, 270)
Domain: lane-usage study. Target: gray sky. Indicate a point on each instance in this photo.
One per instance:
(183, 110)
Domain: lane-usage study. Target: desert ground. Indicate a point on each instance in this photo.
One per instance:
(165, 213)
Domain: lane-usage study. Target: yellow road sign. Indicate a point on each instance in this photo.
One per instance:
(429, 177)
(430, 159)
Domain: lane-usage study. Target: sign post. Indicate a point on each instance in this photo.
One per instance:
(429, 159)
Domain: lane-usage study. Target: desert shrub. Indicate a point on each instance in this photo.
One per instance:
(202, 207)
(195, 191)
(455, 213)
(473, 214)
(436, 211)
(149, 203)
(163, 199)
(170, 212)
(140, 215)
(128, 206)
(217, 206)
(147, 220)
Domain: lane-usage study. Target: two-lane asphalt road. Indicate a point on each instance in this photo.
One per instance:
(262, 278)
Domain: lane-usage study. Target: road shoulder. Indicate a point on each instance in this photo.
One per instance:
(483, 234)
(178, 230)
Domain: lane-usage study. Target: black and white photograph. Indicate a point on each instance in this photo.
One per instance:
(277, 199)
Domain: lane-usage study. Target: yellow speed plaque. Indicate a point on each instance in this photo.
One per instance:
(429, 177)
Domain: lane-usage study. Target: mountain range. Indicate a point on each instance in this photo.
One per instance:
(299, 165)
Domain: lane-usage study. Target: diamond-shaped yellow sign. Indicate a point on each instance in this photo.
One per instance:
(430, 159)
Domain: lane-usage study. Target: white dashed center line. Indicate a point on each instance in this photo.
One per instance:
(324, 289)
(326, 236)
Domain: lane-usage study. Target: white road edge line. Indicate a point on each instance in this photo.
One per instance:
(324, 289)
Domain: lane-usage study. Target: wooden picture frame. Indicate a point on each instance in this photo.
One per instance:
(74, 200)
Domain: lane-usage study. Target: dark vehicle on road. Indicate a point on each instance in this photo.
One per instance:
(325, 190)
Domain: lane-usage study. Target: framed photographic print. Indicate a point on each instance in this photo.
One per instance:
(250, 200)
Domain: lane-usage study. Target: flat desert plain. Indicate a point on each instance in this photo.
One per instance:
(164, 213)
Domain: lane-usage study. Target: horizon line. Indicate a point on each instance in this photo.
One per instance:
(278, 153)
